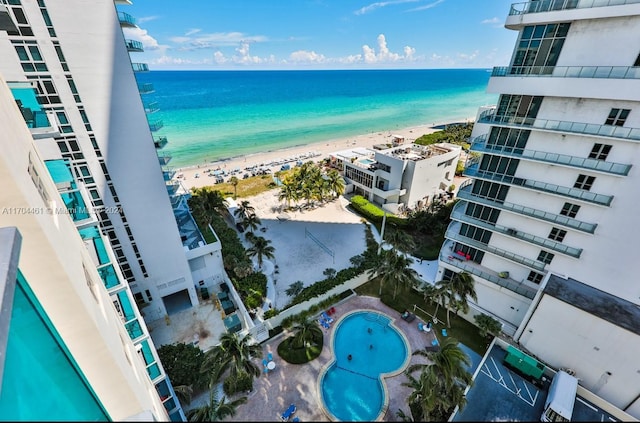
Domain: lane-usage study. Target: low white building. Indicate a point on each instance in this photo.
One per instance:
(411, 175)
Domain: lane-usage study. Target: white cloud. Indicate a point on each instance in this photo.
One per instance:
(493, 20)
(139, 34)
(168, 60)
(303, 56)
(214, 40)
(384, 55)
(146, 19)
(425, 7)
(378, 5)
(219, 58)
(192, 31)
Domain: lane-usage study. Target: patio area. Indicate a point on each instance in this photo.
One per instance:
(298, 384)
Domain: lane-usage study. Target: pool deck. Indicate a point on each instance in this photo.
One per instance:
(297, 384)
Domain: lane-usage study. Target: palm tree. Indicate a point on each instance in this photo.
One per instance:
(261, 249)
(336, 182)
(244, 209)
(436, 293)
(306, 331)
(215, 410)
(461, 286)
(401, 241)
(233, 355)
(294, 289)
(204, 202)
(234, 181)
(395, 268)
(384, 270)
(288, 193)
(449, 362)
(184, 393)
(251, 222)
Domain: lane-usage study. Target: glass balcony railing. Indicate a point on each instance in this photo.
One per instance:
(150, 360)
(172, 187)
(465, 192)
(134, 329)
(479, 144)
(160, 142)
(164, 159)
(155, 125)
(620, 132)
(484, 273)
(473, 171)
(152, 107)
(599, 72)
(32, 112)
(140, 67)
(108, 275)
(459, 215)
(146, 88)
(553, 5)
(126, 19)
(452, 233)
(133, 45)
(168, 173)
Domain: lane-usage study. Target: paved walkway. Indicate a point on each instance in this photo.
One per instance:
(297, 384)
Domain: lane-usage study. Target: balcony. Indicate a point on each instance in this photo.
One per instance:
(452, 233)
(592, 129)
(554, 5)
(134, 46)
(126, 20)
(34, 116)
(447, 256)
(168, 173)
(465, 193)
(479, 144)
(164, 159)
(600, 72)
(160, 142)
(473, 171)
(146, 88)
(459, 215)
(155, 125)
(140, 67)
(172, 187)
(152, 107)
(108, 275)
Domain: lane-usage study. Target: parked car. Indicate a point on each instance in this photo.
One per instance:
(245, 176)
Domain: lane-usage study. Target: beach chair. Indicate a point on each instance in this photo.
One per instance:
(327, 317)
(264, 362)
(323, 323)
(288, 413)
(269, 357)
(444, 332)
(296, 419)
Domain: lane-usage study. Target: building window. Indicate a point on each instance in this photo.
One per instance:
(617, 117)
(538, 48)
(584, 182)
(518, 108)
(545, 257)
(30, 58)
(570, 210)
(557, 234)
(149, 298)
(600, 151)
(535, 277)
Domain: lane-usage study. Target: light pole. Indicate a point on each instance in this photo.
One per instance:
(384, 221)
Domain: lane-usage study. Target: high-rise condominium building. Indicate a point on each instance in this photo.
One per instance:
(79, 65)
(547, 224)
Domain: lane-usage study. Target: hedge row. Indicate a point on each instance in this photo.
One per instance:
(374, 213)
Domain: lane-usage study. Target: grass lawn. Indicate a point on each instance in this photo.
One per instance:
(462, 330)
(249, 187)
(209, 237)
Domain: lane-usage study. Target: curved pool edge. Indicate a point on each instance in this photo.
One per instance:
(383, 376)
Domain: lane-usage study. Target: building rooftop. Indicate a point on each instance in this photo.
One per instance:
(614, 310)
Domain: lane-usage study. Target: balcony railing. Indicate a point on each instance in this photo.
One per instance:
(452, 233)
(485, 273)
(553, 5)
(146, 88)
(152, 107)
(479, 144)
(155, 125)
(630, 134)
(133, 45)
(160, 142)
(172, 187)
(465, 193)
(164, 159)
(459, 214)
(168, 173)
(140, 67)
(600, 72)
(473, 171)
(126, 19)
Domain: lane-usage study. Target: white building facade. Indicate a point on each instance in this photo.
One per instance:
(410, 175)
(547, 222)
(77, 347)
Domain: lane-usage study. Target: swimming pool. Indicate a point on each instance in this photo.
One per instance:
(352, 389)
(366, 161)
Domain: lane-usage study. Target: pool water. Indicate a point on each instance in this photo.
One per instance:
(352, 389)
(366, 161)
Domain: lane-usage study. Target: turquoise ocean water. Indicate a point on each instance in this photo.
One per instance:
(213, 115)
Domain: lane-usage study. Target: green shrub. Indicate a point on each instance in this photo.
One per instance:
(182, 362)
(487, 325)
(243, 383)
(290, 354)
(271, 313)
(374, 213)
(275, 331)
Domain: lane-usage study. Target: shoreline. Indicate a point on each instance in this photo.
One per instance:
(199, 175)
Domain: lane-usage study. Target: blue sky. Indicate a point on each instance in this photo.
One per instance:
(321, 34)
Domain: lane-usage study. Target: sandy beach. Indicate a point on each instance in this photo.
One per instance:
(319, 150)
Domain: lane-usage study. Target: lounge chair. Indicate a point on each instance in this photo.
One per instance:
(269, 357)
(288, 413)
(327, 317)
(323, 323)
(295, 419)
(420, 325)
(264, 362)
(444, 332)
